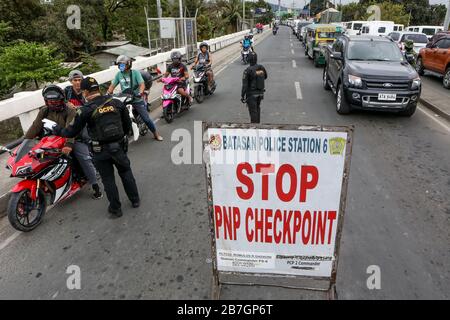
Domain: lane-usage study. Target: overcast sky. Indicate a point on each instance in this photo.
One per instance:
(301, 3)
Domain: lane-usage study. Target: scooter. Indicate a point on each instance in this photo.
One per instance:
(138, 125)
(173, 103)
(48, 176)
(245, 52)
(274, 31)
(201, 83)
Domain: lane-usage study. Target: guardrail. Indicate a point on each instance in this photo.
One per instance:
(26, 104)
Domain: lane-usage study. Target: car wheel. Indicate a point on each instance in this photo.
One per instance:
(419, 66)
(446, 80)
(325, 80)
(408, 112)
(342, 105)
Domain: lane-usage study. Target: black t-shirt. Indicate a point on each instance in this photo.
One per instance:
(177, 71)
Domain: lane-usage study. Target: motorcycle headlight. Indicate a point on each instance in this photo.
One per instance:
(355, 81)
(24, 171)
(416, 83)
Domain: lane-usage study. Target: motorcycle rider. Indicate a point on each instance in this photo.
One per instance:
(410, 54)
(56, 110)
(108, 123)
(131, 81)
(179, 70)
(253, 87)
(204, 58)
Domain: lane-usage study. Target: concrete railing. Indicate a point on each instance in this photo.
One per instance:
(26, 104)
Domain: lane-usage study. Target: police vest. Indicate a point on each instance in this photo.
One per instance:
(107, 121)
(257, 78)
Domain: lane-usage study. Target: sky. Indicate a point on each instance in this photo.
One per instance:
(301, 3)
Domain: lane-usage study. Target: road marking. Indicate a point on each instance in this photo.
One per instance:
(292, 50)
(294, 64)
(298, 90)
(433, 117)
(11, 238)
(292, 45)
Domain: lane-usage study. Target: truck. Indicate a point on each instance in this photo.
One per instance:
(370, 73)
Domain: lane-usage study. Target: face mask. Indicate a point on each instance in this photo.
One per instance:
(122, 67)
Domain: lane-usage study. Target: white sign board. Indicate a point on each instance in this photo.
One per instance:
(276, 198)
(167, 28)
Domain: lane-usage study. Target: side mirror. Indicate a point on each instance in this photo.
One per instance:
(337, 56)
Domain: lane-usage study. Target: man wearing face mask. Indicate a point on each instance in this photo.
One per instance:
(131, 81)
(108, 124)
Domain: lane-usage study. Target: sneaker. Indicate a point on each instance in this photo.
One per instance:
(136, 204)
(97, 192)
(116, 213)
(158, 137)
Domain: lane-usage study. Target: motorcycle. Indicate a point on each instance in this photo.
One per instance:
(47, 174)
(173, 103)
(274, 31)
(137, 123)
(245, 52)
(410, 58)
(201, 83)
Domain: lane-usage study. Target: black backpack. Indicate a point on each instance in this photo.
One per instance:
(258, 78)
(148, 79)
(108, 123)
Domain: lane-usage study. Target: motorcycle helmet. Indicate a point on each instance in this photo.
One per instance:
(203, 44)
(409, 44)
(123, 62)
(54, 98)
(175, 57)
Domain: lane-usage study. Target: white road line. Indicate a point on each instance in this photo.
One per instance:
(433, 117)
(294, 64)
(292, 50)
(292, 45)
(11, 238)
(298, 90)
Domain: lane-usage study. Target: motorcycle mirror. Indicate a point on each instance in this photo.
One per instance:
(2, 148)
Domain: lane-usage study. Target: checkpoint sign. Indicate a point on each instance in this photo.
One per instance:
(276, 197)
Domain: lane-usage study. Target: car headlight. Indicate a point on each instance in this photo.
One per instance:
(355, 81)
(416, 83)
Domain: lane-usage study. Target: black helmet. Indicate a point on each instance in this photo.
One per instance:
(252, 58)
(203, 44)
(54, 98)
(175, 57)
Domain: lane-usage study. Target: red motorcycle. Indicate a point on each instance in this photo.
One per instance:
(46, 172)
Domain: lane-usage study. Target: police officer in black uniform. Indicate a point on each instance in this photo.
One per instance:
(108, 124)
(253, 87)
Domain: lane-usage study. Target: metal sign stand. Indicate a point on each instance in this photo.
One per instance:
(275, 280)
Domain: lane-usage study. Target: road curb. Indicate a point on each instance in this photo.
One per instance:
(435, 109)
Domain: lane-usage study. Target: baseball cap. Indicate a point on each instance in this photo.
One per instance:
(75, 74)
(89, 84)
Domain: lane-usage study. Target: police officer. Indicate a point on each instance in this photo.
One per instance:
(108, 124)
(253, 87)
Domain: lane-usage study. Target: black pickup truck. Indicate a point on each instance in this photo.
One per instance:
(370, 72)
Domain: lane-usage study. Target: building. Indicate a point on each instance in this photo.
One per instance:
(106, 58)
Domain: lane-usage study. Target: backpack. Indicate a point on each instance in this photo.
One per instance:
(258, 78)
(148, 79)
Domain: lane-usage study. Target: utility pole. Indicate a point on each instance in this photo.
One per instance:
(243, 14)
(447, 17)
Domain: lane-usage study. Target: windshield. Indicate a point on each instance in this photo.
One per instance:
(323, 35)
(416, 38)
(374, 50)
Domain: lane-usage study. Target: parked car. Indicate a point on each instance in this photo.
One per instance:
(436, 60)
(300, 26)
(420, 39)
(436, 37)
(317, 38)
(369, 72)
(430, 31)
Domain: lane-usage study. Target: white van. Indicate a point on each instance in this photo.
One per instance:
(430, 31)
(399, 27)
(377, 28)
(353, 27)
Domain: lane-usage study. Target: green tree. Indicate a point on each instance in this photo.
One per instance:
(5, 30)
(89, 65)
(27, 62)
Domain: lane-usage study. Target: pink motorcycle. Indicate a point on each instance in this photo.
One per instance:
(173, 103)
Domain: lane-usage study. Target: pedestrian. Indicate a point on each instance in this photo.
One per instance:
(131, 81)
(108, 124)
(253, 87)
(74, 99)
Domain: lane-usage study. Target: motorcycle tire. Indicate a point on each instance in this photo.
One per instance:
(168, 116)
(198, 94)
(20, 221)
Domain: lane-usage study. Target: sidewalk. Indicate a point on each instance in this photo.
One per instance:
(220, 59)
(435, 96)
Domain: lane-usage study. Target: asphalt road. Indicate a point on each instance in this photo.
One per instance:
(398, 209)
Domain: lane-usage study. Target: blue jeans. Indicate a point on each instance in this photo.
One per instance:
(142, 110)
